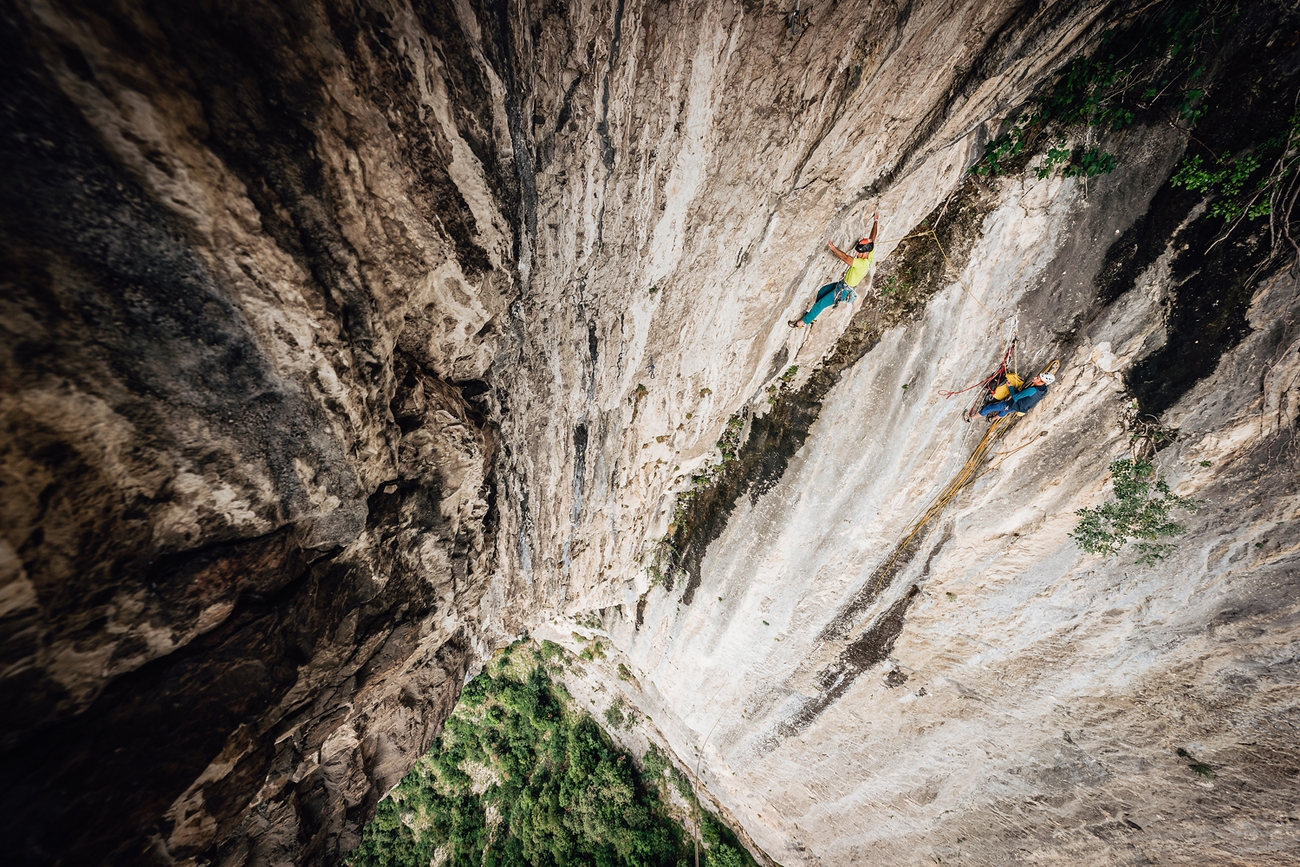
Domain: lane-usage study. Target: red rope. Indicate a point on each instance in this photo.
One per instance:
(1002, 368)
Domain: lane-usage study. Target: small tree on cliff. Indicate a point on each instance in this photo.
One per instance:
(1138, 512)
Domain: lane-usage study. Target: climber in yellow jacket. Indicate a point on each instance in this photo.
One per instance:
(843, 289)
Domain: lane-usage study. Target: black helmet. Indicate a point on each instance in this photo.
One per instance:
(865, 246)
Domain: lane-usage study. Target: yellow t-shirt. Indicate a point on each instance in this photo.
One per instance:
(858, 269)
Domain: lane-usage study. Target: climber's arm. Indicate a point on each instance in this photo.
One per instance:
(840, 254)
(1017, 394)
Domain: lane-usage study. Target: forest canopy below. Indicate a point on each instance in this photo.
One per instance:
(521, 777)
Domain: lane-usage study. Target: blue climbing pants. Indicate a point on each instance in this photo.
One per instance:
(1019, 401)
(825, 298)
(998, 409)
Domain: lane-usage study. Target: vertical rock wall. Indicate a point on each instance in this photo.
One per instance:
(691, 164)
(345, 341)
(253, 282)
(994, 695)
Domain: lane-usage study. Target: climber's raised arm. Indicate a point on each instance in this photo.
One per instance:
(840, 254)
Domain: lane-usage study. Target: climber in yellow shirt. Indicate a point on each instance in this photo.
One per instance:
(843, 289)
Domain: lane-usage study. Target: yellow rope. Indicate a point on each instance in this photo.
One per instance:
(1002, 456)
(995, 432)
(904, 238)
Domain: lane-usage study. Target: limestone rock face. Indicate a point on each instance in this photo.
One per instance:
(345, 342)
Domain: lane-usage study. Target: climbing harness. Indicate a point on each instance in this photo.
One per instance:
(991, 397)
(987, 385)
(842, 291)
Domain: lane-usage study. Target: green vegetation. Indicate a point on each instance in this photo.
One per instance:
(1199, 768)
(1227, 182)
(1154, 63)
(722, 849)
(619, 716)
(1139, 511)
(782, 385)
(593, 651)
(1147, 435)
(521, 778)
(656, 762)
(729, 442)
(681, 784)
(663, 558)
(1236, 182)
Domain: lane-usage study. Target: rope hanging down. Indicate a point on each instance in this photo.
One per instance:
(1002, 456)
(963, 282)
(996, 431)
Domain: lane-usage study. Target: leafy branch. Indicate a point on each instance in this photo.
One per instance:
(1140, 511)
(1242, 192)
(1159, 58)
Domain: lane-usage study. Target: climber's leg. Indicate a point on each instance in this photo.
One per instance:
(996, 408)
(825, 298)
